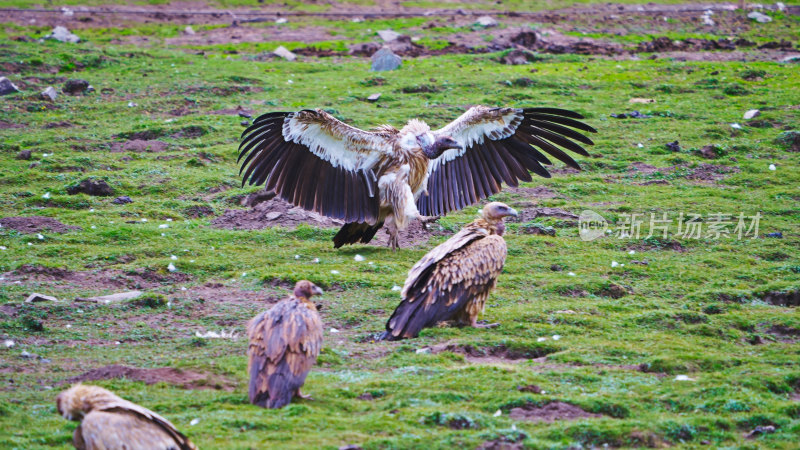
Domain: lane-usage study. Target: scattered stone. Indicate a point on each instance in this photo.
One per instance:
(36, 297)
(388, 35)
(113, 298)
(486, 21)
(631, 115)
(62, 34)
(551, 412)
(537, 228)
(775, 235)
(49, 94)
(384, 59)
(122, 200)
(752, 114)
(74, 87)
(759, 430)
(759, 17)
(364, 49)
(245, 115)
(257, 197)
(24, 155)
(281, 20)
(90, 186)
(245, 123)
(189, 31)
(673, 146)
(139, 145)
(7, 87)
(284, 53)
(374, 97)
(35, 224)
(641, 100)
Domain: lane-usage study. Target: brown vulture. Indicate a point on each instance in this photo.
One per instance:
(452, 282)
(110, 422)
(284, 343)
(387, 177)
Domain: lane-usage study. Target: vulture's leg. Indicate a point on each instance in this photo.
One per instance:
(303, 396)
(391, 228)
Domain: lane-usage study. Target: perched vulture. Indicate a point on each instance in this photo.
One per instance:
(110, 422)
(284, 343)
(387, 177)
(452, 282)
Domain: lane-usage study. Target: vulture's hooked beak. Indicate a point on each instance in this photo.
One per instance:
(513, 212)
(450, 143)
(317, 290)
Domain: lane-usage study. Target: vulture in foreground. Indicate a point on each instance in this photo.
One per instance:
(284, 343)
(109, 422)
(388, 177)
(454, 279)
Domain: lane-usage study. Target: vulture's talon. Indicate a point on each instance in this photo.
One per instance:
(486, 325)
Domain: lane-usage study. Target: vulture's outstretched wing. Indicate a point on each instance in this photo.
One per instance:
(498, 146)
(284, 344)
(312, 160)
(440, 288)
(116, 427)
(122, 421)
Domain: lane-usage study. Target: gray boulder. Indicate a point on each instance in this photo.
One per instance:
(62, 34)
(384, 59)
(7, 87)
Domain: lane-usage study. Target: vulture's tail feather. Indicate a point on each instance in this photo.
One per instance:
(354, 232)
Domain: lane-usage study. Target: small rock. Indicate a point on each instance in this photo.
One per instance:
(245, 123)
(358, 258)
(49, 94)
(92, 187)
(245, 115)
(24, 155)
(26, 355)
(709, 151)
(674, 146)
(284, 53)
(281, 20)
(7, 87)
(122, 200)
(189, 30)
(388, 35)
(537, 228)
(518, 57)
(258, 197)
(422, 351)
(759, 17)
(113, 298)
(789, 140)
(775, 235)
(751, 114)
(781, 6)
(486, 21)
(36, 297)
(374, 97)
(759, 430)
(171, 267)
(384, 59)
(641, 100)
(273, 215)
(74, 87)
(62, 34)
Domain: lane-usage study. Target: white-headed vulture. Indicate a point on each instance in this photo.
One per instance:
(387, 177)
(109, 422)
(284, 344)
(452, 282)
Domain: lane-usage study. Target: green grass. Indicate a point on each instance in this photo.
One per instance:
(695, 312)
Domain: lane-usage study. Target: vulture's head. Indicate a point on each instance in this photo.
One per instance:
(496, 211)
(433, 149)
(80, 399)
(306, 289)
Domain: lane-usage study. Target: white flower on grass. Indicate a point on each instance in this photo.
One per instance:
(91, 209)
(39, 236)
(46, 195)
(163, 225)
(498, 413)
(117, 342)
(30, 243)
(614, 264)
(173, 257)
(244, 274)
(169, 220)
(334, 330)
(640, 145)
(191, 260)
(335, 272)
(396, 288)
(183, 288)
(163, 234)
(194, 422)
(144, 220)
(8, 343)
(290, 82)
(371, 263)
(632, 252)
(358, 258)
(315, 261)
(541, 339)
(572, 274)
(772, 167)
(68, 326)
(736, 125)
(214, 335)
(296, 256)
(556, 337)
(131, 104)
(171, 267)
(683, 378)
(2, 247)
(93, 227)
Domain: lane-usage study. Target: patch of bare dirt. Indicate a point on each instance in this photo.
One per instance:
(139, 146)
(710, 172)
(785, 298)
(272, 213)
(415, 234)
(99, 280)
(36, 224)
(232, 111)
(703, 172)
(526, 215)
(533, 193)
(186, 379)
(551, 412)
(220, 293)
(493, 355)
(7, 125)
(660, 245)
(235, 34)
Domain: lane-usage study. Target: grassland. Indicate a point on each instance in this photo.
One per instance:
(699, 307)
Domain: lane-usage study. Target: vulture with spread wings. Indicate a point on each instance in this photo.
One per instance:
(110, 422)
(453, 281)
(284, 344)
(388, 177)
